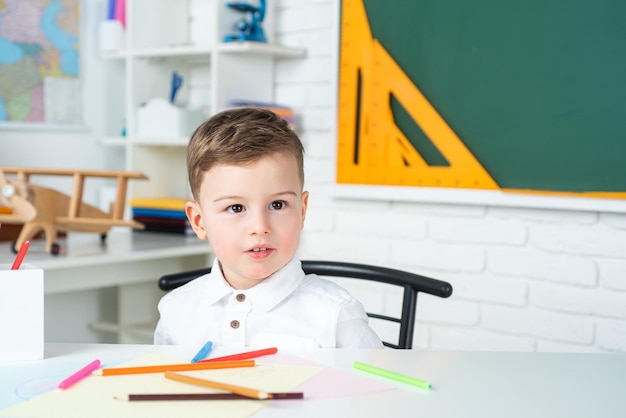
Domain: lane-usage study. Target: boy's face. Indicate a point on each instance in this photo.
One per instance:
(252, 216)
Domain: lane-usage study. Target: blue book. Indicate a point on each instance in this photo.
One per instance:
(159, 213)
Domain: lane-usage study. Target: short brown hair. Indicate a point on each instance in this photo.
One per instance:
(238, 137)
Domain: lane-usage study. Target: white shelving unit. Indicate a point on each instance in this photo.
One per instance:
(163, 36)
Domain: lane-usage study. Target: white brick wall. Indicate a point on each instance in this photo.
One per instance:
(524, 279)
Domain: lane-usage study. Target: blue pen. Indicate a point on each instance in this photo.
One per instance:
(204, 351)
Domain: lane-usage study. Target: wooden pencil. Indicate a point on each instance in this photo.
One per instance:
(174, 367)
(239, 390)
(201, 396)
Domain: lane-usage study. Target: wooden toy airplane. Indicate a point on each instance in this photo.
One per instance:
(41, 208)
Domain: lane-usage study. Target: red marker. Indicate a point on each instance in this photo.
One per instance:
(243, 356)
(20, 255)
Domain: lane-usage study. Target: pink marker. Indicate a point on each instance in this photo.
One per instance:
(80, 375)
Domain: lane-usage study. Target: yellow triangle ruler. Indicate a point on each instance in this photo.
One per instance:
(371, 147)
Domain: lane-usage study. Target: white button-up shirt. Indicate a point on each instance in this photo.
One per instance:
(288, 310)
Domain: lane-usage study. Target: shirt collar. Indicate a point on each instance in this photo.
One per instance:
(265, 295)
(217, 286)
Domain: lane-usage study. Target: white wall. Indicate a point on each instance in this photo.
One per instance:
(524, 279)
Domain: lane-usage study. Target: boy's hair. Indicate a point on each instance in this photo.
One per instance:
(238, 137)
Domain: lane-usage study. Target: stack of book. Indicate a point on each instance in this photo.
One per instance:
(283, 111)
(161, 215)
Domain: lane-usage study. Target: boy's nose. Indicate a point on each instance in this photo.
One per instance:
(259, 223)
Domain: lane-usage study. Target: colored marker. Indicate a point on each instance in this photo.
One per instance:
(244, 356)
(204, 351)
(111, 10)
(20, 255)
(392, 375)
(79, 375)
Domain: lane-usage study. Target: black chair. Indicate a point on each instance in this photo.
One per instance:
(411, 283)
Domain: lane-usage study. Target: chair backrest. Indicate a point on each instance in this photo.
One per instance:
(411, 284)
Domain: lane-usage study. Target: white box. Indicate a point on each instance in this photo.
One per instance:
(21, 313)
(112, 36)
(161, 119)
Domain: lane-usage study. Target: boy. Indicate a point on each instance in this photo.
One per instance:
(246, 175)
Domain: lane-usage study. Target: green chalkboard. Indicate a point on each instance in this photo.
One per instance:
(536, 89)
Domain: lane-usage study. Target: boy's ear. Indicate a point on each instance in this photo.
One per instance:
(192, 210)
(305, 202)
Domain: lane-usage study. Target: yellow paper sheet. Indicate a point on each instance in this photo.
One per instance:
(95, 396)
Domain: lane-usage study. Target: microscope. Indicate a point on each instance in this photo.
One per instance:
(248, 29)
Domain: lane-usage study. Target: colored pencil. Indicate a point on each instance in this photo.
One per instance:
(174, 367)
(244, 356)
(201, 396)
(79, 375)
(20, 255)
(239, 390)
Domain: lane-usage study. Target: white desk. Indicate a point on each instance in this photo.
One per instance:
(465, 384)
(130, 261)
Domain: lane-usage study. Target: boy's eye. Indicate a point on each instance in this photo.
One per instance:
(278, 204)
(235, 208)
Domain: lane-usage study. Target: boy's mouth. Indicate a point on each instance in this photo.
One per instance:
(260, 252)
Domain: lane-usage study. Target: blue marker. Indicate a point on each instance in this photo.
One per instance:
(204, 351)
(111, 10)
(177, 81)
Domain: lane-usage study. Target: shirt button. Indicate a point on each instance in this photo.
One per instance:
(234, 324)
(241, 297)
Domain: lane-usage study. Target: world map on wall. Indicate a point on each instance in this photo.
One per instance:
(39, 61)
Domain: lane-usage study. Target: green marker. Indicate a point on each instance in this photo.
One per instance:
(392, 375)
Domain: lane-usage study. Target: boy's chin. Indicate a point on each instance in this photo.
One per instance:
(259, 273)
